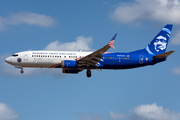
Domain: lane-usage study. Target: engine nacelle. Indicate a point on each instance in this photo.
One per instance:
(69, 64)
(73, 71)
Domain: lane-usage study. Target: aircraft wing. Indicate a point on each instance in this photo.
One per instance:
(93, 58)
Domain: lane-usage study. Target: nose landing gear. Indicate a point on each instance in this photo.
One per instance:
(22, 71)
(19, 67)
(88, 73)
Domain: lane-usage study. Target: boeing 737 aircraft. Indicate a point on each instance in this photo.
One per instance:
(75, 62)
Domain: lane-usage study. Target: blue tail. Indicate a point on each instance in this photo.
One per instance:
(159, 44)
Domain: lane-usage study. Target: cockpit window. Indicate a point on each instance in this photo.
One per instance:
(15, 55)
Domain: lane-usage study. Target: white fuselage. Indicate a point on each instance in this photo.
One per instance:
(43, 59)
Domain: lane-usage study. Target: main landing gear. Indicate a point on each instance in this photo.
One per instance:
(88, 73)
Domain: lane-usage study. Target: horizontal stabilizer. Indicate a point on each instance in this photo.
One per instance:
(163, 55)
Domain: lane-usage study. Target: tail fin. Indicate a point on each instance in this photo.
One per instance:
(159, 44)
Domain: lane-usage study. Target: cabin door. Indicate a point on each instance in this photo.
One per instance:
(25, 56)
(141, 58)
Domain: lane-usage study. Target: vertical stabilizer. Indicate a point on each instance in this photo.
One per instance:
(159, 44)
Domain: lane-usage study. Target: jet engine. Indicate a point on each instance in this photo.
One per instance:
(69, 64)
(74, 71)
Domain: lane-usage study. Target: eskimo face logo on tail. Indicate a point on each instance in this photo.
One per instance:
(160, 43)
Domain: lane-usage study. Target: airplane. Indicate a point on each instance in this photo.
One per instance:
(74, 62)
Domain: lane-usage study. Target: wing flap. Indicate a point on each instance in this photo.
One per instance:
(92, 64)
(93, 61)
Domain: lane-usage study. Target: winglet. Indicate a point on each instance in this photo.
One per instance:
(112, 41)
(164, 55)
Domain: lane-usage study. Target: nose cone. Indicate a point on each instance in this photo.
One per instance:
(8, 60)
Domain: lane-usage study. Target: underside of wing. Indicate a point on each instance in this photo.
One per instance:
(93, 58)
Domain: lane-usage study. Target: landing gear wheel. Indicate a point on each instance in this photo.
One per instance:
(21, 71)
(88, 73)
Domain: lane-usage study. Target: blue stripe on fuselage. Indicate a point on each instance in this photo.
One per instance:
(125, 60)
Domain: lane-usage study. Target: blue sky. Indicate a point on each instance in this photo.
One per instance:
(148, 93)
